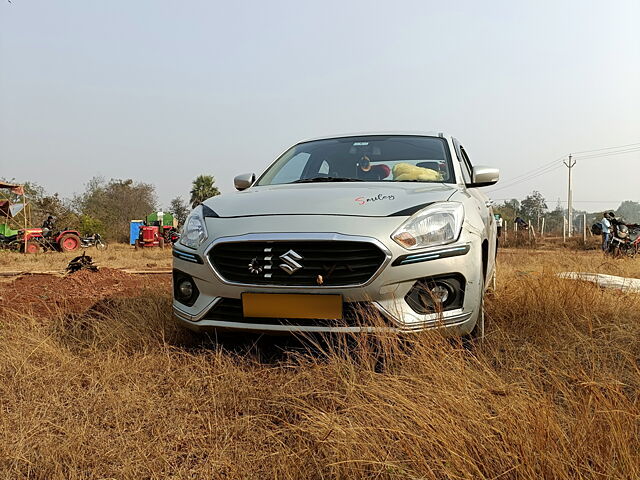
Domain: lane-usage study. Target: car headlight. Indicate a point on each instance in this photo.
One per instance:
(436, 224)
(194, 231)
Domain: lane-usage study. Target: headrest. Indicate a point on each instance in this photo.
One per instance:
(382, 170)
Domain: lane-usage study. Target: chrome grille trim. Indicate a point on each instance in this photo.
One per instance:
(302, 237)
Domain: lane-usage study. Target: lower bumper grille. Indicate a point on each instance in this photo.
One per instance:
(297, 263)
(355, 314)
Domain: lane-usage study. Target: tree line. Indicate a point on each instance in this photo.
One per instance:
(534, 207)
(108, 206)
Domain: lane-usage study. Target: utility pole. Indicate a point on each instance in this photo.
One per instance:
(570, 165)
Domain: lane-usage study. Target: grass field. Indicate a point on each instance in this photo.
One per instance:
(116, 391)
(116, 256)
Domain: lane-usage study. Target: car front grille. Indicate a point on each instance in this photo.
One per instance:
(297, 263)
(355, 314)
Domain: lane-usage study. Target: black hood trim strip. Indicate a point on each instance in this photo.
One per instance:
(407, 212)
(207, 212)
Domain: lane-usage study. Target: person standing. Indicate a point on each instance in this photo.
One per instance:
(498, 218)
(606, 231)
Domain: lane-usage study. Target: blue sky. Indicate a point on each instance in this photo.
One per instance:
(161, 91)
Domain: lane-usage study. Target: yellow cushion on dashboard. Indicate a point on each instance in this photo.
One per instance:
(406, 171)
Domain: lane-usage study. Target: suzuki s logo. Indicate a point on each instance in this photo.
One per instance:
(290, 260)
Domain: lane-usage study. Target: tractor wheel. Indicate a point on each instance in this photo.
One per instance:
(32, 247)
(161, 242)
(137, 245)
(69, 242)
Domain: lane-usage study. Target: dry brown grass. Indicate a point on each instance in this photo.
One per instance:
(117, 255)
(120, 393)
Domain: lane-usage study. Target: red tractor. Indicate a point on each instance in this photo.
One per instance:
(32, 240)
(150, 236)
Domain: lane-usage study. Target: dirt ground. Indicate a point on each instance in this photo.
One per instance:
(77, 292)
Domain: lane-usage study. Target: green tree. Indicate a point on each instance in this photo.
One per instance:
(115, 203)
(203, 187)
(41, 205)
(533, 207)
(554, 220)
(179, 208)
(508, 210)
(90, 225)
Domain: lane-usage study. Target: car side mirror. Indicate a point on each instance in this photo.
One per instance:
(244, 181)
(482, 176)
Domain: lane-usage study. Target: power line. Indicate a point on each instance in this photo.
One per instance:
(554, 165)
(607, 148)
(541, 167)
(510, 184)
(608, 154)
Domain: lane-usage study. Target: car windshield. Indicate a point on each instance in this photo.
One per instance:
(390, 158)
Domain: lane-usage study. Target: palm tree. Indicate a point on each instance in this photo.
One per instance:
(202, 188)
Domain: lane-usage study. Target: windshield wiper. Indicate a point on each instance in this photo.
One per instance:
(327, 179)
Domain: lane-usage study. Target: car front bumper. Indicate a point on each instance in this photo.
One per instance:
(385, 291)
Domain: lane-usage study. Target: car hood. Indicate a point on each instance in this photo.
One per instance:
(357, 199)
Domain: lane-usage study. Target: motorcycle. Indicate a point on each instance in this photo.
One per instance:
(94, 240)
(172, 236)
(625, 239)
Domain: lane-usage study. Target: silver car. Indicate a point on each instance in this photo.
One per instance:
(391, 224)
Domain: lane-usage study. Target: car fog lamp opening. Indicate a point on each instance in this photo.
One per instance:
(437, 224)
(436, 294)
(186, 288)
(440, 293)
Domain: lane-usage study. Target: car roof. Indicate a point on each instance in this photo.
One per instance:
(367, 134)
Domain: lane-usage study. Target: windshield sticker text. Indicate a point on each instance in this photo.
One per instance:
(365, 200)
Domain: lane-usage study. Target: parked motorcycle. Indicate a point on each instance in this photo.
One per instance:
(94, 240)
(625, 238)
(172, 236)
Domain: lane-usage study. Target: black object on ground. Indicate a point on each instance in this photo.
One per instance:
(83, 262)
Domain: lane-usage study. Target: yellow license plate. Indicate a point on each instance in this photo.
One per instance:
(286, 305)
